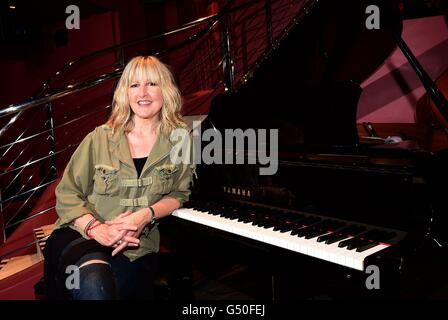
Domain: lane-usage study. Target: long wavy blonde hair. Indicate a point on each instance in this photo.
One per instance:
(153, 70)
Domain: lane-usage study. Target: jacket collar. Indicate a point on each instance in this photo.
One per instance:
(120, 148)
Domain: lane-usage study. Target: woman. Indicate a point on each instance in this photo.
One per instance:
(119, 181)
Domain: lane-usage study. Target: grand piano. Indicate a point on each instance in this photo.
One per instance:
(341, 208)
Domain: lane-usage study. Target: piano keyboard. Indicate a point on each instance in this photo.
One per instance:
(338, 241)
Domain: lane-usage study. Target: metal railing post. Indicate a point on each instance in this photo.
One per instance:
(2, 221)
(227, 55)
(51, 140)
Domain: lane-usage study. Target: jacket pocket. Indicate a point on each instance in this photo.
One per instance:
(163, 178)
(106, 180)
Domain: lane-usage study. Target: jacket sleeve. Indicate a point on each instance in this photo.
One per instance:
(76, 183)
(184, 177)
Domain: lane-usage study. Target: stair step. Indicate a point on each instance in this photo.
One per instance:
(40, 234)
(11, 266)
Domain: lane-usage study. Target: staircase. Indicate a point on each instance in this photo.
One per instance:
(17, 272)
(14, 265)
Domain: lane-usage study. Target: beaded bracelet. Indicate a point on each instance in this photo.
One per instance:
(153, 216)
(86, 228)
(93, 226)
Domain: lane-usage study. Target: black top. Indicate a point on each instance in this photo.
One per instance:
(139, 163)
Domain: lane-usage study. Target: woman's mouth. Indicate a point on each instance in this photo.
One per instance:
(144, 102)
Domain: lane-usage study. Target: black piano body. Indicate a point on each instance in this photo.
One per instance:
(330, 185)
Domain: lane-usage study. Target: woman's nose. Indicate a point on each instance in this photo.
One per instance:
(143, 91)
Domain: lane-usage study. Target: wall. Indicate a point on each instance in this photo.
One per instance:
(23, 77)
(390, 95)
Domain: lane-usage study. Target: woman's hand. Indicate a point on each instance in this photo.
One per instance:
(110, 235)
(138, 220)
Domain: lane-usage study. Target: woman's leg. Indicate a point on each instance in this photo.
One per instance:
(96, 279)
(135, 280)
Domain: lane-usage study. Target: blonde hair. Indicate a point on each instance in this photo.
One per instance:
(153, 70)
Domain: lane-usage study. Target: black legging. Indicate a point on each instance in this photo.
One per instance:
(116, 278)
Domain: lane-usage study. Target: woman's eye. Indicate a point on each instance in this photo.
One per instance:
(134, 85)
(152, 84)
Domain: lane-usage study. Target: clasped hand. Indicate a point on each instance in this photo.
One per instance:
(122, 231)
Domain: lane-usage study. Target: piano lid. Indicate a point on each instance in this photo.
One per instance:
(310, 85)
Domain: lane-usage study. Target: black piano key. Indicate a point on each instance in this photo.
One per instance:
(287, 220)
(265, 221)
(304, 232)
(351, 230)
(361, 238)
(301, 232)
(310, 220)
(366, 245)
(295, 231)
(247, 219)
(279, 225)
(315, 233)
(355, 243)
(257, 222)
(250, 219)
(288, 226)
(268, 225)
(325, 237)
(317, 229)
(234, 216)
(228, 213)
(345, 243)
(332, 238)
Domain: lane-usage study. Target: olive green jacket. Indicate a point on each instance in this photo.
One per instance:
(101, 179)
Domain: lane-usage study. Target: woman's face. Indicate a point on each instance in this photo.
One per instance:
(145, 98)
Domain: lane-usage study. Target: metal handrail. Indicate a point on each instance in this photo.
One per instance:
(32, 102)
(31, 216)
(86, 115)
(38, 160)
(70, 64)
(305, 10)
(26, 246)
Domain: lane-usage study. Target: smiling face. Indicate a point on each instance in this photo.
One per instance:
(145, 98)
(146, 91)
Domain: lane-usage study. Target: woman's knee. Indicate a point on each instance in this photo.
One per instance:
(96, 278)
(96, 282)
(93, 261)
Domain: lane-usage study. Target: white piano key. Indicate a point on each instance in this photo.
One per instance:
(310, 247)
